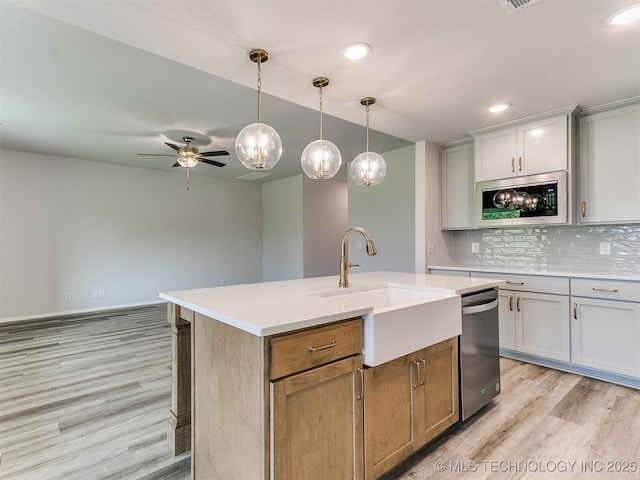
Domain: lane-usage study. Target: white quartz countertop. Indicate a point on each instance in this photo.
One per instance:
(276, 307)
(522, 271)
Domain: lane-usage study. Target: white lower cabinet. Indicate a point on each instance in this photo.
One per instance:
(606, 335)
(605, 331)
(535, 323)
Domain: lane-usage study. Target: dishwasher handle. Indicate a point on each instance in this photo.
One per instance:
(480, 308)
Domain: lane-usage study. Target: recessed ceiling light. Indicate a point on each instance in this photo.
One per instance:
(626, 15)
(355, 51)
(499, 108)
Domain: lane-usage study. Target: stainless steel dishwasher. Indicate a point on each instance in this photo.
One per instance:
(479, 351)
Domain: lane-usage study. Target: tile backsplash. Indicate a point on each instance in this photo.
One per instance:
(552, 248)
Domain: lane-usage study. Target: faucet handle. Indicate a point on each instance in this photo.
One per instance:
(353, 265)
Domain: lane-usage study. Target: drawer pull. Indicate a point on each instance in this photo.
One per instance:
(324, 347)
(575, 311)
(511, 303)
(361, 395)
(417, 384)
(518, 304)
(424, 367)
(519, 164)
(515, 283)
(513, 168)
(584, 209)
(610, 290)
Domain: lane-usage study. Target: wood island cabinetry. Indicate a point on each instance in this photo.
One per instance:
(408, 402)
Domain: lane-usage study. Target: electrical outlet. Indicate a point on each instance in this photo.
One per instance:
(605, 248)
(95, 294)
(101, 294)
(475, 247)
(430, 248)
(67, 296)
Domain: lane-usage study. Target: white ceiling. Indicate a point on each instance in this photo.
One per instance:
(105, 80)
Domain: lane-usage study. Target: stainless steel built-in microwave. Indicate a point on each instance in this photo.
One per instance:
(531, 200)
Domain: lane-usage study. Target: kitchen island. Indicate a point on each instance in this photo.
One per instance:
(261, 372)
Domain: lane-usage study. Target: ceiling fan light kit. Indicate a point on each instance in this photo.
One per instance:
(258, 146)
(368, 168)
(321, 159)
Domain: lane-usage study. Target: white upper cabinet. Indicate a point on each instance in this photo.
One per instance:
(609, 165)
(458, 193)
(538, 145)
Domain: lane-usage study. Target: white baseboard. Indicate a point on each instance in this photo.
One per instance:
(78, 312)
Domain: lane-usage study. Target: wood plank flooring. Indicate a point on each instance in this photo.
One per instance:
(88, 398)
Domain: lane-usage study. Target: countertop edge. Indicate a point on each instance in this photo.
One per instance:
(489, 270)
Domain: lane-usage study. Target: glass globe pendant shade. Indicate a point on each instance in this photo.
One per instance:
(321, 159)
(258, 146)
(368, 169)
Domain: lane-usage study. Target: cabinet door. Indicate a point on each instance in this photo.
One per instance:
(542, 146)
(437, 406)
(542, 325)
(507, 319)
(610, 166)
(458, 193)
(317, 423)
(389, 394)
(606, 335)
(495, 154)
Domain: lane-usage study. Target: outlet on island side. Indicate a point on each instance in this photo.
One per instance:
(605, 248)
(475, 247)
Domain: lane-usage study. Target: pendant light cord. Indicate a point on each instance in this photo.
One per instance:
(320, 112)
(367, 108)
(259, 83)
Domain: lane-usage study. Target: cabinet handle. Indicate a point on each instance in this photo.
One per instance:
(324, 347)
(609, 290)
(575, 311)
(518, 303)
(584, 209)
(511, 303)
(519, 164)
(424, 365)
(513, 165)
(361, 396)
(417, 384)
(515, 283)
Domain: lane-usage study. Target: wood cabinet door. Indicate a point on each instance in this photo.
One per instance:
(389, 433)
(317, 423)
(605, 334)
(542, 325)
(436, 407)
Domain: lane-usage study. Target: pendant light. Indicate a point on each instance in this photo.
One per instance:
(368, 168)
(258, 145)
(321, 158)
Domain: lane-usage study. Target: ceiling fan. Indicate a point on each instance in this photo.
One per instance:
(189, 156)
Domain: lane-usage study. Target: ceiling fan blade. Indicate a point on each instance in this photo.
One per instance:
(156, 155)
(175, 147)
(214, 153)
(175, 164)
(212, 162)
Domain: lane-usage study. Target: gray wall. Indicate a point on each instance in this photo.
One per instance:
(77, 226)
(282, 229)
(387, 212)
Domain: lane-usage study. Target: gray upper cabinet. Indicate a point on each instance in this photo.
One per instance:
(609, 164)
(457, 186)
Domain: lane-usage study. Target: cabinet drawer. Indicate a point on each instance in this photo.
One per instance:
(609, 289)
(299, 351)
(529, 283)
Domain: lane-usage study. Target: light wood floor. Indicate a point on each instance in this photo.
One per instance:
(88, 397)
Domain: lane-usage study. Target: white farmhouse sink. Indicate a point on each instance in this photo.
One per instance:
(404, 319)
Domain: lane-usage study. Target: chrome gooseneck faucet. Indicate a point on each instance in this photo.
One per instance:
(344, 259)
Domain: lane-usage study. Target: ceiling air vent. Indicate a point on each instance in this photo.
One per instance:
(516, 5)
(253, 176)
